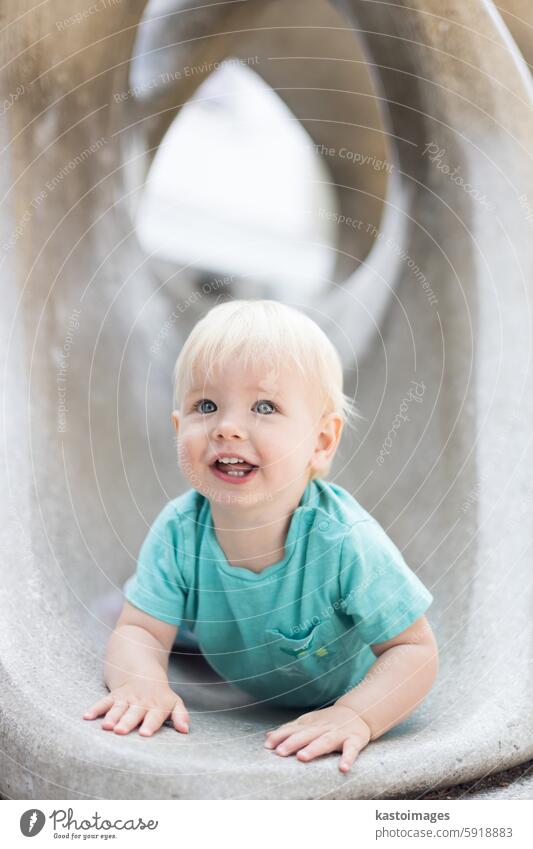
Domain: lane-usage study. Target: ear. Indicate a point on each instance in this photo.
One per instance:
(176, 420)
(327, 441)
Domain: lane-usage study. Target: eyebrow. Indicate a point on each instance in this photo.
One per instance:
(254, 388)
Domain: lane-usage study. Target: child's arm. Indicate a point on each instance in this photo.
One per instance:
(139, 645)
(135, 672)
(398, 681)
(393, 687)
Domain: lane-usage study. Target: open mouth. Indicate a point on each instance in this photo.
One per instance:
(233, 471)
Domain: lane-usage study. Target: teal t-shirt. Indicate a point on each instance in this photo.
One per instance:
(298, 633)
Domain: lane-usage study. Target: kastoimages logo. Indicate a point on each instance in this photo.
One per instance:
(31, 822)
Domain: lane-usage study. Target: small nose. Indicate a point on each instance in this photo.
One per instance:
(229, 428)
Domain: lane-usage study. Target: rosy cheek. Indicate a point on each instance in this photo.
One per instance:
(184, 451)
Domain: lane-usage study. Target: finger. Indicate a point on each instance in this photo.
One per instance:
(298, 739)
(328, 742)
(180, 718)
(295, 723)
(113, 715)
(99, 708)
(130, 719)
(153, 721)
(350, 749)
(279, 734)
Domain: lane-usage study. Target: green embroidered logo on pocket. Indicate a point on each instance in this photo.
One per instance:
(302, 651)
(322, 651)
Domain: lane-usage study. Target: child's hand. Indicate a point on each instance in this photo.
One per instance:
(134, 702)
(332, 729)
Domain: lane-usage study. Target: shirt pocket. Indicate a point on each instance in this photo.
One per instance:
(321, 649)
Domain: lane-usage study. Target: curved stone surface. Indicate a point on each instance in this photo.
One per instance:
(87, 358)
(518, 17)
(308, 53)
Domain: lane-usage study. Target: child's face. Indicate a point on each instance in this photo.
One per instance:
(272, 419)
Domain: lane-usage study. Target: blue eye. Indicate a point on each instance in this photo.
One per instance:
(198, 404)
(263, 401)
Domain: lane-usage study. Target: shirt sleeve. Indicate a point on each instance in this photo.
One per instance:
(158, 585)
(378, 589)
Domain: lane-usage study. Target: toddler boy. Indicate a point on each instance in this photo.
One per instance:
(294, 592)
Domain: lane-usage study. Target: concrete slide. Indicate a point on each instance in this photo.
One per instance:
(434, 287)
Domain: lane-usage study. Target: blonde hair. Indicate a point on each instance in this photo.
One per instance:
(269, 333)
